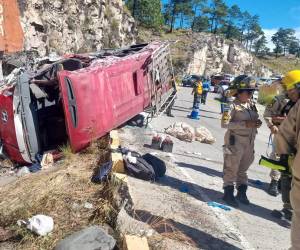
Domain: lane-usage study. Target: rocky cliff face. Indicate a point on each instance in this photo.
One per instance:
(210, 54)
(65, 26)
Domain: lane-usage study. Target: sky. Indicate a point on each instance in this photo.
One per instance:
(273, 14)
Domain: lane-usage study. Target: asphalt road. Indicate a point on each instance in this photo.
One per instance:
(202, 165)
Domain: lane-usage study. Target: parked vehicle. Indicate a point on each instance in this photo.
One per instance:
(81, 98)
(189, 80)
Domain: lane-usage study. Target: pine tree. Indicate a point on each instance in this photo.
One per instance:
(217, 13)
(260, 45)
(282, 40)
(147, 12)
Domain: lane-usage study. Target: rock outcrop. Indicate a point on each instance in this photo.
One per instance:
(66, 26)
(210, 54)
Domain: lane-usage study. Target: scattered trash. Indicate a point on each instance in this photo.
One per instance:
(93, 237)
(184, 188)
(218, 205)
(88, 205)
(182, 131)
(101, 173)
(203, 135)
(137, 121)
(35, 167)
(185, 132)
(23, 171)
(39, 224)
(156, 142)
(47, 160)
(167, 145)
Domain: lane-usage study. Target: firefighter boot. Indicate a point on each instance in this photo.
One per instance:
(273, 188)
(287, 213)
(241, 195)
(229, 197)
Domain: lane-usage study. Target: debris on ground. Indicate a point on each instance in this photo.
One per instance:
(137, 121)
(90, 238)
(23, 171)
(101, 173)
(132, 242)
(39, 224)
(35, 167)
(185, 132)
(156, 142)
(203, 135)
(47, 160)
(88, 205)
(54, 192)
(167, 145)
(182, 131)
(218, 205)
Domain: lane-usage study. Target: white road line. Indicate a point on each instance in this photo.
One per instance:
(222, 217)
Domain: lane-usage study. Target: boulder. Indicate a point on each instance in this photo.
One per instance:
(90, 238)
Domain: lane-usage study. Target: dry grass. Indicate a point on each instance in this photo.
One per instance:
(60, 193)
(281, 65)
(167, 228)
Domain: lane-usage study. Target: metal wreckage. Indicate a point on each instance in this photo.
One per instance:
(78, 98)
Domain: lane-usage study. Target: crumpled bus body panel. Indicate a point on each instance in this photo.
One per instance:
(80, 98)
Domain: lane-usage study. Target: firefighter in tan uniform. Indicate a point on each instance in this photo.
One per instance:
(288, 143)
(274, 110)
(286, 178)
(241, 121)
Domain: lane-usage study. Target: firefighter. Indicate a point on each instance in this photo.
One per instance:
(197, 92)
(287, 142)
(290, 84)
(275, 109)
(241, 121)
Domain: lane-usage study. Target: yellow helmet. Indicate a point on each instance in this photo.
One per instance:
(291, 79)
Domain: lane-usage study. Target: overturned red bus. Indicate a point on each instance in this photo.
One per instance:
(81, 98)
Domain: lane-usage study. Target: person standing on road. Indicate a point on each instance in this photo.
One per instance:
(290, 83)
(287, 142)
(206, 89)
(197, 92)
(223, 95)
(275, 109)
(241, 121)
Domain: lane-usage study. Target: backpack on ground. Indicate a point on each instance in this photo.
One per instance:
(141, 169)
(158, 165)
